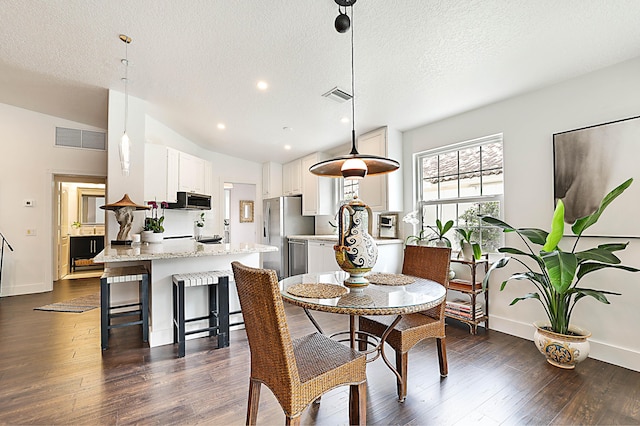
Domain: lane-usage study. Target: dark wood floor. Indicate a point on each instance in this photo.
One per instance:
(52, 371)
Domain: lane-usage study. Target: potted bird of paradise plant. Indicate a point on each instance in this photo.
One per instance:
(556, 276)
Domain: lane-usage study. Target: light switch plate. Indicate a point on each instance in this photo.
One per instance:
(31, 232)
(29, 203)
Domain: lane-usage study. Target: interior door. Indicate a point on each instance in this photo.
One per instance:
(62, 231)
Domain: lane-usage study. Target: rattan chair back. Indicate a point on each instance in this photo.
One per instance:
(431, 263)
(297, 371)
(272, 358)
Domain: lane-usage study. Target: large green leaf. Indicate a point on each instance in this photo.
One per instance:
(501, 263)
(444, 229)
(535, 235)
(581, 224)
(526, 296)
(589, 267)
(511, 250)
(613, 246)
(599, 295)
(498, 223)
(557, 228)
(561, 267)
(477, 251)
(599, 255)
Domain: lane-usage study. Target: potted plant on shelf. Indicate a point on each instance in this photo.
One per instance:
(153, 226)
(436, 235)
(557, 277)
(199, 225)
(470, 250)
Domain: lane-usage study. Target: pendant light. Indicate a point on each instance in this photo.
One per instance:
(125, 145)
(353, 165)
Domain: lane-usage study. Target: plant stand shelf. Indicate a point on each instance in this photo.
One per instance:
(472, 288)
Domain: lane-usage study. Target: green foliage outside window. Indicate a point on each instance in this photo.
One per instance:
(490, 238)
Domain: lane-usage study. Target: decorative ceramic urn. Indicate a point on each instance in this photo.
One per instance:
(356, 251)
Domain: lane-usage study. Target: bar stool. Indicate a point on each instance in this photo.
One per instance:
(218, 289)
(125, 274)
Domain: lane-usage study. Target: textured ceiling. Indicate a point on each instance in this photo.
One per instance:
(197, 62)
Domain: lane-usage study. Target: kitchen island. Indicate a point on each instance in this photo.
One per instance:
(320, 256)
(173, 257)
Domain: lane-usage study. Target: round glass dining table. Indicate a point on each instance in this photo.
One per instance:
(375, 299)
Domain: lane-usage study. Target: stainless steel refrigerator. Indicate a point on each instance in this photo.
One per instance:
(282, 217)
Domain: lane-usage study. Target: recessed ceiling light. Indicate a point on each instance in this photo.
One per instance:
(287, 147)
(221, 126)
(344, 120)
(262, 85)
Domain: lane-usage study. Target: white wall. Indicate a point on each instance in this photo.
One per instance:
(28, 161)
(244, 232)
(528, 123)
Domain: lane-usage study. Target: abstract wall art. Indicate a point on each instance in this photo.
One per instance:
(591, 161)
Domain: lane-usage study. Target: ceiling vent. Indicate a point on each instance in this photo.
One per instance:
(77, 138)
(337, 95)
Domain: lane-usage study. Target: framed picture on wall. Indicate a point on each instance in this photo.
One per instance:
(588, 163)
(246, 211)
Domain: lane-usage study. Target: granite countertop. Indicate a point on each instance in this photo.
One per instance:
(332, 238)
(175, 249)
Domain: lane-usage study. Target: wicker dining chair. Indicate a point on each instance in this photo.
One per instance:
(297, 371)
(424, 262)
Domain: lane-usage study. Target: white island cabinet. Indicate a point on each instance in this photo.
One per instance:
(321, 255)
(175, 257)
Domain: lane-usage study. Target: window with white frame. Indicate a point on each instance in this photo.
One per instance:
(460, 183)
(349, 189)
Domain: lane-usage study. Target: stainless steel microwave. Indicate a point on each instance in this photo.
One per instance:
(191, 201)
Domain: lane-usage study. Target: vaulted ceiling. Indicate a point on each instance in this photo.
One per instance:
(197, 62)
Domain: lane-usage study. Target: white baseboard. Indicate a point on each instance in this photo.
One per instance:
(601, 351)
(23, 289)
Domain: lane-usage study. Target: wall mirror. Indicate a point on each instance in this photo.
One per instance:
(89, 202)
(246, 211)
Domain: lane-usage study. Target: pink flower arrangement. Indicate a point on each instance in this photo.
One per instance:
(154, 223)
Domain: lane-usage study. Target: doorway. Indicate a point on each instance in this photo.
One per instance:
(240, 214)
(79, 225)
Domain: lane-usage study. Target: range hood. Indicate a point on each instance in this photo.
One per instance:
(191, 201)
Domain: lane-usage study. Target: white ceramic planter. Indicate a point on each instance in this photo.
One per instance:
(564, 351)
(467, 252)
(151, 237)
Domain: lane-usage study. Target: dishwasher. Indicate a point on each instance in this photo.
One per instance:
(297, 257)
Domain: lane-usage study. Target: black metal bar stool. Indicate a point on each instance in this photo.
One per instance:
(218, 289)
(125, 274)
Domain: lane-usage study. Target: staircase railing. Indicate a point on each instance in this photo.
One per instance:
(2, 244)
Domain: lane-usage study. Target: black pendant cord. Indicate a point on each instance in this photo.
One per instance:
(354, 150)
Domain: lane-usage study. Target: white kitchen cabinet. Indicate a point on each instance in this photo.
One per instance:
(383, 193)
(167, 171)
(155, 172)
(191, 173)
(292, 178)
(173, 174)
(317, 192)
(321, 257)
(390, 256)
(271, 180)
